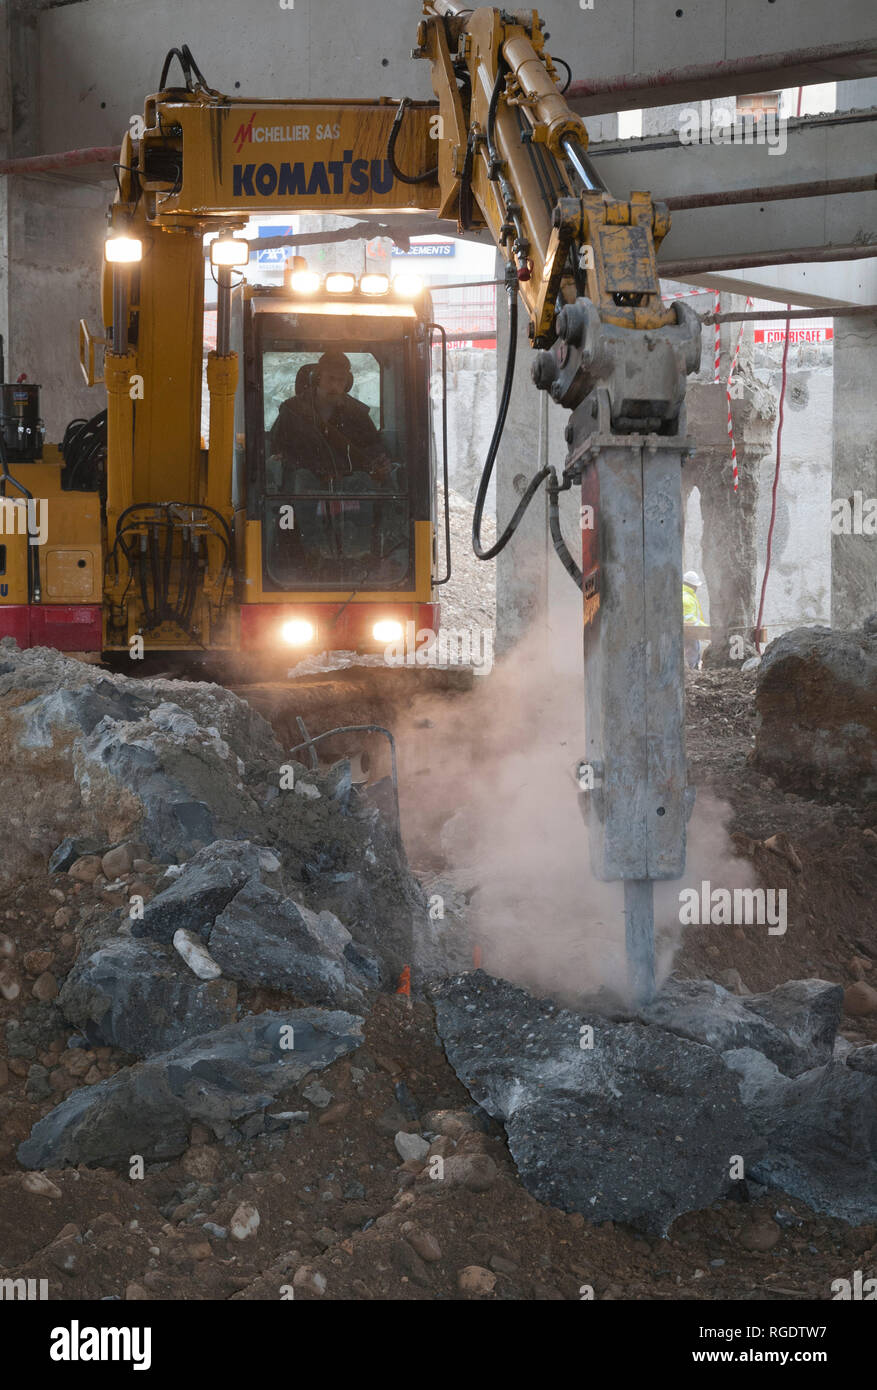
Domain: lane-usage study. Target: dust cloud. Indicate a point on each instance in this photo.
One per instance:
(489, 801)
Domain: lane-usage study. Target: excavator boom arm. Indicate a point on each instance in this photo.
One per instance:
(513, 156)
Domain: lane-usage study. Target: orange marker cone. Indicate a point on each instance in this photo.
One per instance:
(405, 982)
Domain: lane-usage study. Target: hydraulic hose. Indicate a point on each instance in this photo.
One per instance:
(487, 471)
(190, 70)
(391, 150)
(569, 564)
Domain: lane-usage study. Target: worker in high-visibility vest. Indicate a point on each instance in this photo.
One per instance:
(692, 616)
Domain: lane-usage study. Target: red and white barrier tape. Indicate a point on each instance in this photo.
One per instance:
(717, 376)
(685, 294)
(734, 471)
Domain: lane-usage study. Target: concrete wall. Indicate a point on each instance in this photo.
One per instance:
(99, 57)
(471, 415)
(799, 585)
(854, 555)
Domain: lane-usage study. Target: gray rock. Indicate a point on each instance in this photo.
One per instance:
(217, 1080)
(265, 939)
(196, 897)
(70, 850)
(138, 996)
(639, 1128)
(410, 1145)
(37, 1087)
(816, 703)
(794, 1025)
(819, 1131)
(80, 709)
(317, 1095)
(808, 1012)
(863, 1059)
(282, 1119)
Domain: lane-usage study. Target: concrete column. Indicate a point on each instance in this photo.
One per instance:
(854, 458)
(51, 233)
(854, 472)
(728, 539)
(522, 568)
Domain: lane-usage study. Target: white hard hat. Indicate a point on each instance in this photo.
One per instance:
(692, 578)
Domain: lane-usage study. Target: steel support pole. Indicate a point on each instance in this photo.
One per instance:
(120, 310)
(223, 310)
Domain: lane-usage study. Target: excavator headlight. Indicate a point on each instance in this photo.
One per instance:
(387, 630)
(297, 632)
(374, 284)
(340, 282)
(123, 250)
(228, 251)
(408, 286)
(304, 281)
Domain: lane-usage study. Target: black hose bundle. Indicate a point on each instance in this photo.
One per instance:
(192, 74)
(84, 450)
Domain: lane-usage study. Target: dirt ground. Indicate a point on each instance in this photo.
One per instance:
(340, 1215)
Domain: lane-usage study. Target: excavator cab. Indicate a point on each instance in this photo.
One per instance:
(334, 470)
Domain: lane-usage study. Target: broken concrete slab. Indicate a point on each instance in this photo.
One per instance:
(626, 1122)
(262, 938)
(819, 1131)
(138, 996)
(195, 897)
(794, 1025)
(230, 894)
(216, 1080)
(808, 1012)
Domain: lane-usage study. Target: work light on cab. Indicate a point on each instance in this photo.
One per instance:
(387, 630)
(229, 251)
(297, 632)
(408, 286)
(374, 284)
(123, 250)
(340, 283)
(304, 281)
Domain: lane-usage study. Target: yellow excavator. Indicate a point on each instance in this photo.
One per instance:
(310, 519)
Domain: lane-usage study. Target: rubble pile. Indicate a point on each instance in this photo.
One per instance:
(218, 868)
(189, 771)
(200, 947)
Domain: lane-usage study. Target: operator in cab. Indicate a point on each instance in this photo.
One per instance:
(324, 441)
(328, 433)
